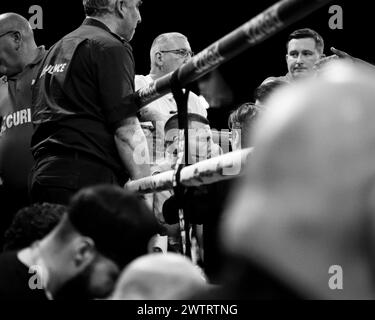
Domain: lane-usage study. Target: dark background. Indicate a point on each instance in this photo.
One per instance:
(204, 22)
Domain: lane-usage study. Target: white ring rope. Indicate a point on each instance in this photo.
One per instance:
(224, 167)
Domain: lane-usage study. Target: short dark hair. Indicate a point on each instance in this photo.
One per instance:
(118, 222)
(242, 118)
(262, 92)
(307, 33)
(239, 117)
(96, 7)
(172, 122)
(32, 223)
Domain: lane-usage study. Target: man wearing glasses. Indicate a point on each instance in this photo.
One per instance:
(169, 51)
(19, 61)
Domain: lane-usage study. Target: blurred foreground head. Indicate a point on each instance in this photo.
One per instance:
(105, 228)
(158, 276)
(307, 204)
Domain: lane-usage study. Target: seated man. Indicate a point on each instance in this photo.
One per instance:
(201, 147)
(105, 228)
(159, 277)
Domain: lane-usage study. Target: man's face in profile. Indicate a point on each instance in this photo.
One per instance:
(301, 57)
(132, 17)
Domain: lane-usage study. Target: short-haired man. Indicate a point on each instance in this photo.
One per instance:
(240, 123)
(264, 91)
(308, 198)
(86, 128)
(203, 204)
(32, 223)
(201, 145)
(305, 48)
(105, 228)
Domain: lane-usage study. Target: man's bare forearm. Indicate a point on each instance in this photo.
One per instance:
(133, 149)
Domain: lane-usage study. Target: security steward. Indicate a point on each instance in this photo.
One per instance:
(86, 129)
(19, 61)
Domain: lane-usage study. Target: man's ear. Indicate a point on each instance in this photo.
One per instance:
(120, 8)
(17, 38)
(286, 57)
(84, 252)
(159, 59)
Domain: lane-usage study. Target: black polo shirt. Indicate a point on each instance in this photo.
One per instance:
(79, 104)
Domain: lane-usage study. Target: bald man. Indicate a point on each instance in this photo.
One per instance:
(305, 214)
(158, 276)
(19, 61)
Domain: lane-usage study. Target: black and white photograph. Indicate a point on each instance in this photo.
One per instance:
(187, 155)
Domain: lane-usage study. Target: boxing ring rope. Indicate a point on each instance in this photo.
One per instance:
(251, 33)
(208, 171)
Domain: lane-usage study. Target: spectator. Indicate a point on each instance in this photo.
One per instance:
(201, 148)
(305, 47)
(32, 223)
(105, 228)
(262, 93)
(201, 145)
(159, 277)
(240, 122)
